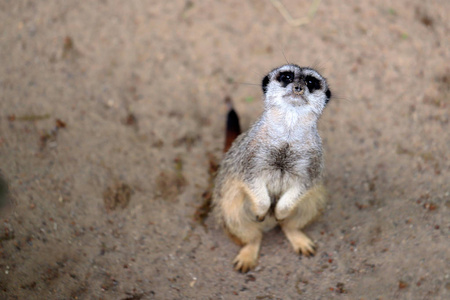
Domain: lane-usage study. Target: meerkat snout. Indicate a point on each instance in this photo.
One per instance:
(298, 89)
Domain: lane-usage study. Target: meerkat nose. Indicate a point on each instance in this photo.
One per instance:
(298, 89)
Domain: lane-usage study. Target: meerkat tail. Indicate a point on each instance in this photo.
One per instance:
(233, 128)
(4, 193)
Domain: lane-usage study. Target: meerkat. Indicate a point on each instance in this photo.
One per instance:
(272, 173)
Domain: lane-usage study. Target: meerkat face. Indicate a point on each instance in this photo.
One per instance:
(291, 85)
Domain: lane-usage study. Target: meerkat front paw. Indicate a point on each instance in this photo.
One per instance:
(282, 213)
(261, 212)
(287, 203)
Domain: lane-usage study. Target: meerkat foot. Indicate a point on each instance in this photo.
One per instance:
(247, 258)
(301, 243)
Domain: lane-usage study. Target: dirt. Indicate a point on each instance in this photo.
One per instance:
(112, 120)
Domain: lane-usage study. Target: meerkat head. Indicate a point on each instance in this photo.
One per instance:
(292, 86)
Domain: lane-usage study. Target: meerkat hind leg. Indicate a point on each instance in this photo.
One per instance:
(250, 236)
(248, 256)
(307, 210)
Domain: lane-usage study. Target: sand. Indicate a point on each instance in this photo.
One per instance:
(112, 119)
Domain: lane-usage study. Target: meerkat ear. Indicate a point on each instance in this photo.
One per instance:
(328, 94)
(265, 82)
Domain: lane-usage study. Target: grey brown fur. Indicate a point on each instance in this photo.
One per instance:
(272, 173)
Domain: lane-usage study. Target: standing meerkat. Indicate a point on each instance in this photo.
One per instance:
(272, 173)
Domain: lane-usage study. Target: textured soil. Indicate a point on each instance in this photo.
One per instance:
(112, 123)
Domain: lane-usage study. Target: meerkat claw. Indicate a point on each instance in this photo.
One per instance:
(279, 220)
(247, 257)
(307, 250)
(242, 266)
(260, 218)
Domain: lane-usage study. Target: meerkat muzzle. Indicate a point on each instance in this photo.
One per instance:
(298, 89)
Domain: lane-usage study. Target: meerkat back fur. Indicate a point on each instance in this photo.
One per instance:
(272, 173)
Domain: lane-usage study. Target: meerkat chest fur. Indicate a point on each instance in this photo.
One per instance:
(288, 150)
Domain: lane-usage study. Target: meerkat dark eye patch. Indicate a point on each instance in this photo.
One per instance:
(265, 82)
(285, 78)
(312, 83)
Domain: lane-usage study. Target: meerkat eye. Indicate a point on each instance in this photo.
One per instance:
(312, 83)
(285, 78)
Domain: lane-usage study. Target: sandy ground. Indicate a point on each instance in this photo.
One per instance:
(112, 112)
